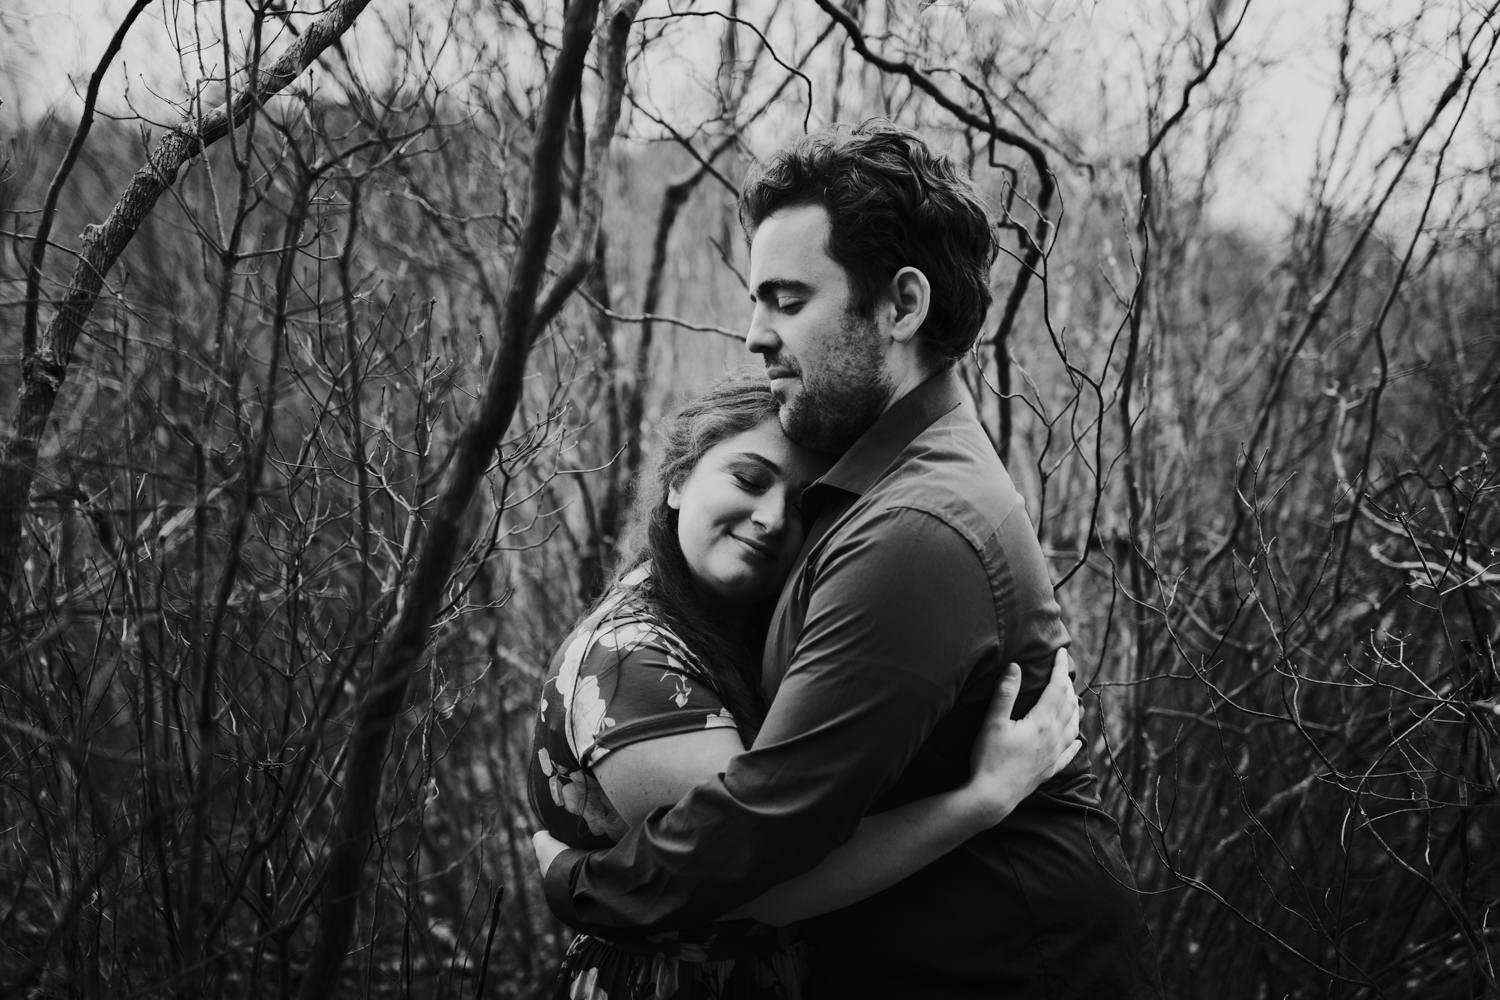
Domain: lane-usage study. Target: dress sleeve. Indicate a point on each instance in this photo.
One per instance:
(636, 682)
(887, 643)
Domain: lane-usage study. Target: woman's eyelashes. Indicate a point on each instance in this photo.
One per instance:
(752, 481)
(757, 479)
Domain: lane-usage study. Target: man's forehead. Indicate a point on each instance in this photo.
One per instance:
(791, 246)
(795, 223)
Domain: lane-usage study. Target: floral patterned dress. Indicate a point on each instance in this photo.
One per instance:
(622, 677)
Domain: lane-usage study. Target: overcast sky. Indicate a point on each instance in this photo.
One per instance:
(47, 48)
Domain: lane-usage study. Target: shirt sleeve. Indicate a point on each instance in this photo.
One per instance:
(635, 684)
(899, 606)
(655, 693)
(610, 685)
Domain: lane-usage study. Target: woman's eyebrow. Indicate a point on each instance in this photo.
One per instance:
(755, 458)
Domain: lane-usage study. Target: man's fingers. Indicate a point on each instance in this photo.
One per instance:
(547, 849)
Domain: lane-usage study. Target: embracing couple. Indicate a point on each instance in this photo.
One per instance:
(778, 758)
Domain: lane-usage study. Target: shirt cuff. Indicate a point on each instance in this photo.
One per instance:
(557, 883)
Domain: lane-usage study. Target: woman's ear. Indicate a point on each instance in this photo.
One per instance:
(910, 297)
(674, 498)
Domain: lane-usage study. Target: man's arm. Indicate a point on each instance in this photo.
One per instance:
(1011, 758)
(900, 606)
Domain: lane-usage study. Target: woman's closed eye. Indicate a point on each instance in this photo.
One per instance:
(751, 482)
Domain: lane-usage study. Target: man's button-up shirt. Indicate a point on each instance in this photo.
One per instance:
(921, 579)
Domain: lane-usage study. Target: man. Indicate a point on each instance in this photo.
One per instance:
(921, 578)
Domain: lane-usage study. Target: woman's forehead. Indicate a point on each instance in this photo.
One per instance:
(767, 444)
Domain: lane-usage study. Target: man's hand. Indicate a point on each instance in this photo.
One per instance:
(548, 847)
(1012, 757)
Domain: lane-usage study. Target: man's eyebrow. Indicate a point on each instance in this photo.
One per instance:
(772, 286)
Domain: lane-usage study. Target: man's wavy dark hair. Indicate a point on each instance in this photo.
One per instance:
(892, 203)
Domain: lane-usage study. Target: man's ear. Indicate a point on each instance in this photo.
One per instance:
(909, 298)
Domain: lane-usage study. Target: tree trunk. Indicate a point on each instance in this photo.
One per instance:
(45, 366)
(527, 308)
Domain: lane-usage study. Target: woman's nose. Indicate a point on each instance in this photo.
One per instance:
(770, 513)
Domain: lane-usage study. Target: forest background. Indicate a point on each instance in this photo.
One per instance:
(330, 337)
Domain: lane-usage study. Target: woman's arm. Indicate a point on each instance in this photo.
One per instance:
(640, 777)
(1011, 758)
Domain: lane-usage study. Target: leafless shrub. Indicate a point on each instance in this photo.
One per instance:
(1262, 460)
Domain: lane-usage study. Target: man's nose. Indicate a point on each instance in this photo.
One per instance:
(760, 338)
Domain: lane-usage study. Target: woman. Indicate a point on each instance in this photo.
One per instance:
(656, 689)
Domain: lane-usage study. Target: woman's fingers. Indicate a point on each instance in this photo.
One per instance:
(1069, 751)
(1012, 757)
(1061, 699)
(1058, 704)
(1004, 702)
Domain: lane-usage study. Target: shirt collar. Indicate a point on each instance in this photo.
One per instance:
(874, 451)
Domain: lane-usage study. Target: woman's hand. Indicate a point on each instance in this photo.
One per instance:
(548, 847)
(1012, 757)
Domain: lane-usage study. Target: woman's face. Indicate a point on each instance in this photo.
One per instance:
(737, 512)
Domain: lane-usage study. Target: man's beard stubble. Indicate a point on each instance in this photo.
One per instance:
(848, 393)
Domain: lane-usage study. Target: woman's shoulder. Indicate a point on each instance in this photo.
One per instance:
(621, 629)
(621, 676)
(625, 620)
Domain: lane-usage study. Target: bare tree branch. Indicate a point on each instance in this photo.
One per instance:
(45, 367)
(423, 593)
